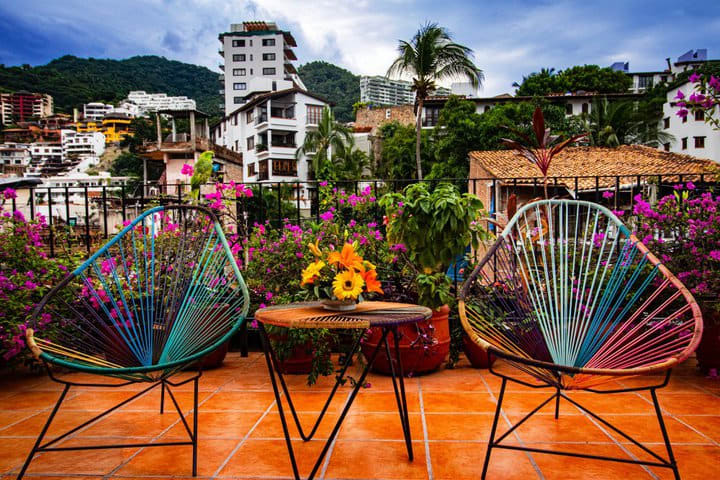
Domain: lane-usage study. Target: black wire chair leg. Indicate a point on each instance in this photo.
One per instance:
(271, 370)
(400, 397)
(162, 397)
(557, 404)
(195, 426)
(666, 438)
(491, 443)
(39, 440)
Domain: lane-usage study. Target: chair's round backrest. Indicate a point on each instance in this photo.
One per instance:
(163, 292)
(566, 284)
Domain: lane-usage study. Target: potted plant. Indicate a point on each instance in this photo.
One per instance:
(427, 229)
(683, 230)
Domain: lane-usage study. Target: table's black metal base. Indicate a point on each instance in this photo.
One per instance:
(496, 442)
(165, 385)
(274, 369)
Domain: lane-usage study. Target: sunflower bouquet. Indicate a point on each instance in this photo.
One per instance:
(339, 275)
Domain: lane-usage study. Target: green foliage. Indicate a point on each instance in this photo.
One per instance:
(73, 81)
(127, 164)
(458, 132)
(610, 124)
(591, 78)
(397, 160)
(336, 84)
(321, 143)
(201, 173)
(434, 290)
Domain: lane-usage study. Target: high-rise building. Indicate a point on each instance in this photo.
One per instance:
(24, 106)
(384, 91)
(257, 58)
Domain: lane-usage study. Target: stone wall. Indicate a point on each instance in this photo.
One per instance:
(377, 116)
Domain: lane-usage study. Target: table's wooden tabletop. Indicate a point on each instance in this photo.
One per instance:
(365, 315)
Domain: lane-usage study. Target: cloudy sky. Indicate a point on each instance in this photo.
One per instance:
(510, 37)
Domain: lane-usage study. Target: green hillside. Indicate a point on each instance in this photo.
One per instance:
(336, 84)
(73, 81)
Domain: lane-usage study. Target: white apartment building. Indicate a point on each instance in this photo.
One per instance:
(96, 110)
(644, 80)
(82, 144)
(15, 154)
(381, 90)
(152, 102)
(257, 58)
(693, 136)
(268, 130)
(47, 152)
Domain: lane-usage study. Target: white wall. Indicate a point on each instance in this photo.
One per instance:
(690, 129)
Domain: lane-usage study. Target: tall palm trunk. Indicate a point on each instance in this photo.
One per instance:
(418, 130)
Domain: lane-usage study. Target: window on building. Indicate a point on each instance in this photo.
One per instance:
(568, 109)
(666, 122)
(251, 71)
(699, 142)
(663, 78)
(251, 170)
(666, 146)
(684, 143)
(699, 116)
(431, 116)
(684, 119)
(238, 43)
(250, 143)
(238, 100)
(585, 108)
(268, 71)
(249, 116)
(268, 42)
(646, 81)
(314, 114)
(239, 57)
(251, 57)
(238, 72)
(240, 86)
(268, 56)
(236, 146)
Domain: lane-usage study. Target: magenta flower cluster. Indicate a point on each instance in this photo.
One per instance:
(704, 98)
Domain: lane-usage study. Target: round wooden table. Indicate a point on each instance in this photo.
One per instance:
(384, 315)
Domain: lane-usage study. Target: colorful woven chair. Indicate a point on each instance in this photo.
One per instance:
(162, 294)
(572, 300)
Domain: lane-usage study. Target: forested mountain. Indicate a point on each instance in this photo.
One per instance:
(336, 84)
(73, 81)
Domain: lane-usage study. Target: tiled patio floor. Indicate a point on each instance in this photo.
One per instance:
(451, 413)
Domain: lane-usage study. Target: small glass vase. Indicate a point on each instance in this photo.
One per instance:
(339, 305)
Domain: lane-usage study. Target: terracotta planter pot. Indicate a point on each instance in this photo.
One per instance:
(300, 360)
(708, 351)
(415, 358)
(478, 357)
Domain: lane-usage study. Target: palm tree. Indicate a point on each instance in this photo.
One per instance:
(319, 143)
(430, 56)
(350, 163)
(610, 124)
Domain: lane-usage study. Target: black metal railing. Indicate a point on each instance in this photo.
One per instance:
(86, 216)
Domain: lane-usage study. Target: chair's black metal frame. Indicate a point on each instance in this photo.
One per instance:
(557, 395)
(274, 368)
(165, 385)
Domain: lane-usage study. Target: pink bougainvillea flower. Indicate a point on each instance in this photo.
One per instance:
(187, 169)
(694, 78)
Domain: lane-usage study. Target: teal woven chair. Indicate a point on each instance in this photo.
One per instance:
(162, 294)
(571, 299)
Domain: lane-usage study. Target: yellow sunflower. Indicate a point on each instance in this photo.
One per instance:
(347, 285)
(312, 271)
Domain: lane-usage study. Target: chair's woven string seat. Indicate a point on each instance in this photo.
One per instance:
(568, 295)
(162, 293)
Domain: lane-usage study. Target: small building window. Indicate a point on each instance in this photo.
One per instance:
(238, 72)
(249, 116)
(699, 142)
(585, 108)
(240, 86)
(684, 143)
(239, 57)
(699, 116)
(268, 56)
(238, 43)
(238, 100)
(487, 108)
(663, 78)
(268, 42)
(268, 71)
(666, 122)
(666, 147)
(250, 143)
(251, 169)
(568, 109)
(684, 119)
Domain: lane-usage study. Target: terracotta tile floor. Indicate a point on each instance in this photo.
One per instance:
(450, 417)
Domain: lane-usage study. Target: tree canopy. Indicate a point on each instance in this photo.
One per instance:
(73, 81)
(591, 78)
(336, 84)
